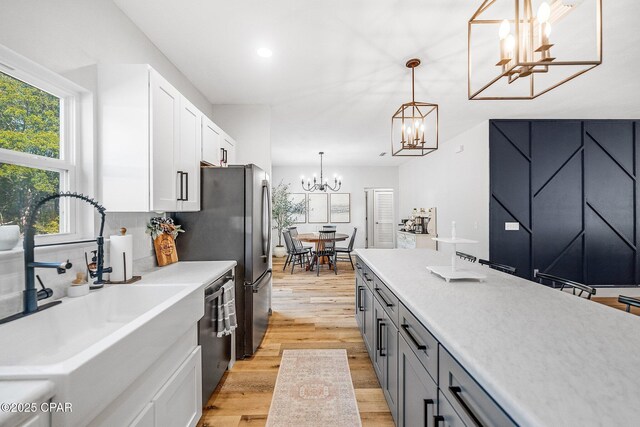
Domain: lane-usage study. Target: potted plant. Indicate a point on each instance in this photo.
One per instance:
(164, 232)
(283, 210)
(9, 235)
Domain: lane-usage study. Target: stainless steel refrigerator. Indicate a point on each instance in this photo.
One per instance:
(234, 223)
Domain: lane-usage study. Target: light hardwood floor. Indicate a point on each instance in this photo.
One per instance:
(308, 312)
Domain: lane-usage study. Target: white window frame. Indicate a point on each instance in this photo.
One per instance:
(70, 96)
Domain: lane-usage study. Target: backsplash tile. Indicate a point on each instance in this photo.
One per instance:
(12, 264)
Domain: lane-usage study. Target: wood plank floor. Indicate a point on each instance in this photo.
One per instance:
(308, 312)
(613, 303)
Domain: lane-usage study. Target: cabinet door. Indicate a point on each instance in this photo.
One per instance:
(179, 401)
(390, 377)
(165, 125)
(145, 418)
(379, 318)
(230, 146)
(417, 392)
(211, 139)
(189, 157)
(369, 323)
(447, 416)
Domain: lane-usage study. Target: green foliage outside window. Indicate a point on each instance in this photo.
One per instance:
(29, 123)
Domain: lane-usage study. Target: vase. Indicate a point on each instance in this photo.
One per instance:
(279, 251)
(9, 237)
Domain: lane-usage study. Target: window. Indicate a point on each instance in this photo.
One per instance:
(36, 149)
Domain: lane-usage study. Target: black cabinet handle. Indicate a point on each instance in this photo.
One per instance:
(455, 390)
(378, 334)
(180, 174)
(221, 156)
(437, 419)
(427, 402)
(358, 266)
(225, 156)
(366, 277)
(381, 349)
(186, 186)
(360, 307)
(384, 300)
(412, 338)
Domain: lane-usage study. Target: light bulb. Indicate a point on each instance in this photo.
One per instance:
(422, 128)
(547, 29)
(544, 12)
(505, 29)
(510, 42)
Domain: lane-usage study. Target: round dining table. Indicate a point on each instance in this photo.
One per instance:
(315, 238)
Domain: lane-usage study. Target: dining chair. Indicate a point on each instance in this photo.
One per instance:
(329, 227)
(326, 248)
(466, 257)
(566, 283)
(299, 254)
(496, 266)
(629, 301)
(294, 234)
(344, 254)
(289, 246)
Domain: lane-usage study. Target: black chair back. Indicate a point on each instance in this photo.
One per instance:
(566, 283)
(293, 231)
(467, 257)
(629, 301)
(328, 240)
(287, 241)
(329, 227)
(353, 239)
(297, 245)
(496, 266)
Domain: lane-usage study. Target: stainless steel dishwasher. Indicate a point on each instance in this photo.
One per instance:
(216, 352)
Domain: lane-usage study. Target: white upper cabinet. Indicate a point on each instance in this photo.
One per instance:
(211, 142)
(228, 150)
(151, 141)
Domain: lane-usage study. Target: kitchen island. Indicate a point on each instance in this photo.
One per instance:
(534, 356)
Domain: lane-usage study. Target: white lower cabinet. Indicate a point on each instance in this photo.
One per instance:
(178, 403)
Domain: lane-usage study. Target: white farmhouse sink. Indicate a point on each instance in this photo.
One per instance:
(93, 347)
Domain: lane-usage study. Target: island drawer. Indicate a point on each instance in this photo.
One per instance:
(423, 344)
(387, 299)
(368, 276)
(359, 265)
(467, 397)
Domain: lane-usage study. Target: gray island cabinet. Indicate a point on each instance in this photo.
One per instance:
(504, 352)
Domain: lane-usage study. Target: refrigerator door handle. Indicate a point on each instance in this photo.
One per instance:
(266, 224)
(256, 286)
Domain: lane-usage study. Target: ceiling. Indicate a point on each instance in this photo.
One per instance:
(337, 72)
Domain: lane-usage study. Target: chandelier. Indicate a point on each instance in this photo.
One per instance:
(521, 49)
(414, 126)
(323, 185)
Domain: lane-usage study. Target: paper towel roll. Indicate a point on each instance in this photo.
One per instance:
(121, 245)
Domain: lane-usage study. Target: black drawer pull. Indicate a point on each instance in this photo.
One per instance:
(360, 306)
(366, 277)
(381, 349)
(427, 402)
(384, 300)
(437, 419)
(378, 334)
(455, 390)
(358, 266)
(412, 338)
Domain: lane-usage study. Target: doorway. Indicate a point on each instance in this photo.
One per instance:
(380, 218)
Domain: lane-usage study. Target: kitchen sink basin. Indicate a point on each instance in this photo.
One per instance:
(94, 346)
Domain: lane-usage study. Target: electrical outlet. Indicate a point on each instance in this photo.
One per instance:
(511, 226)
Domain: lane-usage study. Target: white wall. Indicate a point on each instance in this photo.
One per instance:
(70, 37)
(354, 181)
(457, 184)
(250, 126)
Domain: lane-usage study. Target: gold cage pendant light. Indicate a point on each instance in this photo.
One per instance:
(414, 126)
(521, 49)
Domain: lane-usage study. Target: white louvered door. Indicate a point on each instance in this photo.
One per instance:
(383, 221)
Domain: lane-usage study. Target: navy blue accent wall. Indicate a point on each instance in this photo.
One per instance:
(573, 187)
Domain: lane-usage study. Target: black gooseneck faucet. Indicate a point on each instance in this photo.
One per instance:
(31, 294)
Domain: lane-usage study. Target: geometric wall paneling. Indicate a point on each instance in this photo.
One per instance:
(509, 169)
(581, 184)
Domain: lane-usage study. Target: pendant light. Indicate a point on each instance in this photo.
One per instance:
(521, 49)
(414, 126)
(323, 185)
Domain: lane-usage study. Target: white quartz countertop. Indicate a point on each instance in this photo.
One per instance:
(547, 357)
(22, 392)
(187, 273)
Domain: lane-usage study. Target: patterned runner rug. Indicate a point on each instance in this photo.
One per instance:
(314, 388)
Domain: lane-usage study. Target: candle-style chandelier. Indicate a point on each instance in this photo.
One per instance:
(414, 126)
(535, 46)
(323, 185)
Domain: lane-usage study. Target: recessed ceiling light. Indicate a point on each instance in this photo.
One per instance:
(264, 52)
